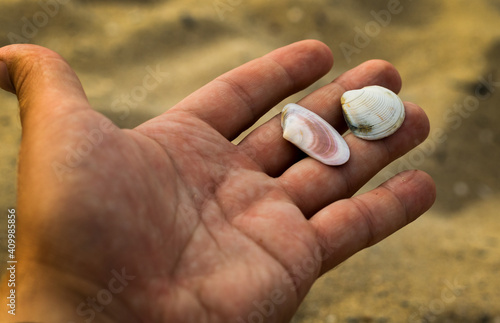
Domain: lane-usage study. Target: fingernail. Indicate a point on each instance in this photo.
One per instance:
(5, 82)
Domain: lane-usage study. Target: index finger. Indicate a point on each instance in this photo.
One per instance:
(234, 101)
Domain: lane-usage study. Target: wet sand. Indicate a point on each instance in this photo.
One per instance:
(442, 268)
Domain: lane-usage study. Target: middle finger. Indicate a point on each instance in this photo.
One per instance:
(274, 154)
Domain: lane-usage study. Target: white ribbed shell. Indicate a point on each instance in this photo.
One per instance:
(372, 112)
(313, 135)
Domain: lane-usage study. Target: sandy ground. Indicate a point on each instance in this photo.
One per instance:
(444, 267)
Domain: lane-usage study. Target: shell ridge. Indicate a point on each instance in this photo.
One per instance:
(376, 114)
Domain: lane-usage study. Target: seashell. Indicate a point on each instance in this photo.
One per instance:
(372, 112)
(313, 135)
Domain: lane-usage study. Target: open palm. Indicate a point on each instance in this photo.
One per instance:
(170, 221)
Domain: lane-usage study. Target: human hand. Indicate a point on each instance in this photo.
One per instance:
(170, 221)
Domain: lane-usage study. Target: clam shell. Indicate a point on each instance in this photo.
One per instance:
(372, 112)
(313, 135)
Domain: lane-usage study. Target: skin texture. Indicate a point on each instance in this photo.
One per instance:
(198, 229)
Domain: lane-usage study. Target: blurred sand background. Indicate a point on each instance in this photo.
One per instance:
(444, 267)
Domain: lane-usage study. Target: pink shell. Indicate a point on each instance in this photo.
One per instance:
(313, 135)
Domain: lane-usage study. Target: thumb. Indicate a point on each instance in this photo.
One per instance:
(5, 82)
(44, 83)
(56, 116)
